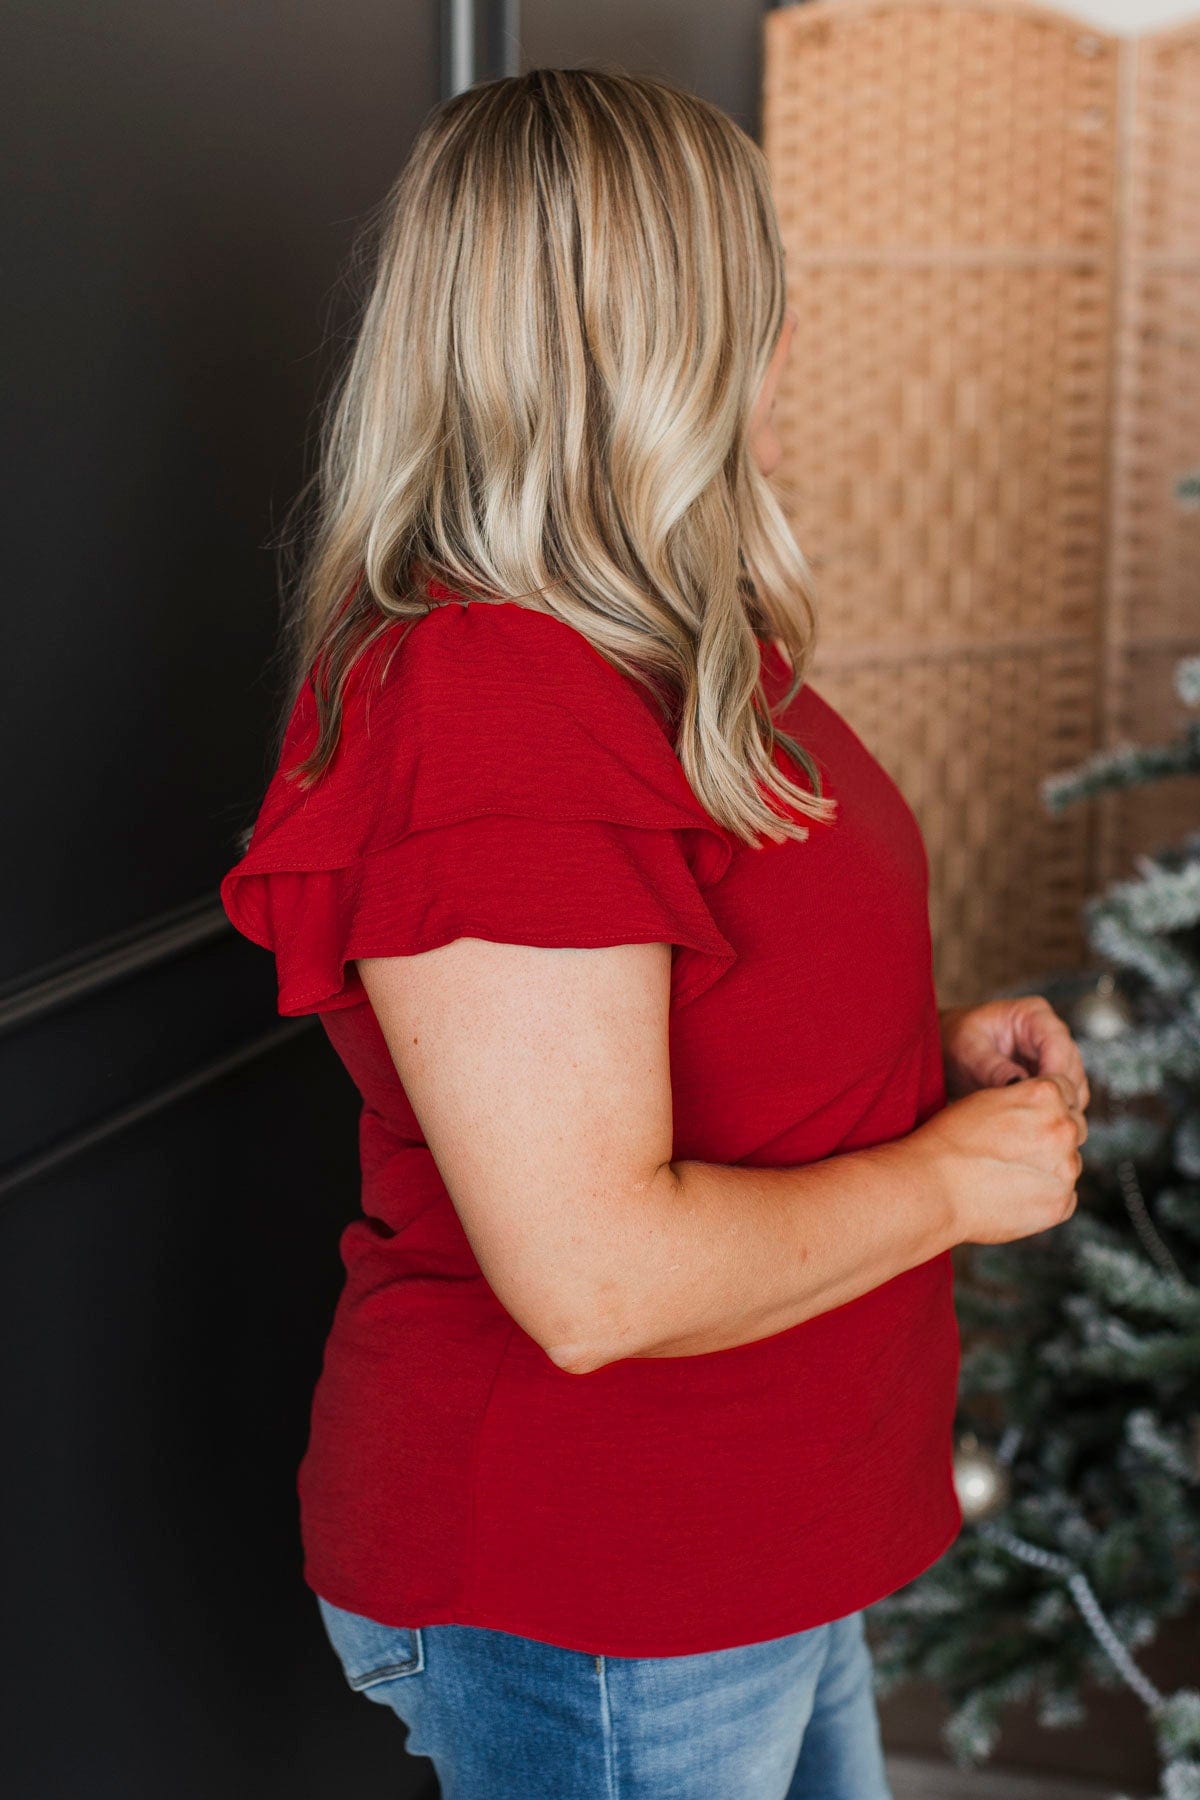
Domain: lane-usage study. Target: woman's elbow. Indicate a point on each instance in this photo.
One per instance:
(579, 1359)
(585, 1344)
(585, 1311)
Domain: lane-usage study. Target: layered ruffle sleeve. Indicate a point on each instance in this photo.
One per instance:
(501, 781)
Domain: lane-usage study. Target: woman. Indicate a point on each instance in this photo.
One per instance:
(641, 1384)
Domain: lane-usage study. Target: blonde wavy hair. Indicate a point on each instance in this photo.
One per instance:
(578, 283)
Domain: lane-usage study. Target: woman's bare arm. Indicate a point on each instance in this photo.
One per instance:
(541, 1081)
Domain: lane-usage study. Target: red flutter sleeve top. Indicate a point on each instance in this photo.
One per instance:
(506, 782)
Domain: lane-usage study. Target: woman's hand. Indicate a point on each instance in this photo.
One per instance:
(1003, 1040)
(1007, 1159)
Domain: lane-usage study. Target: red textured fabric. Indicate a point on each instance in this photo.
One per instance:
(505, 782)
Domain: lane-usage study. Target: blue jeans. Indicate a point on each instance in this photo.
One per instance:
(503, 1717)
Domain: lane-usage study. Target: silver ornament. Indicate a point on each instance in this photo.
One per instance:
(1103, 1014)
(981, 1480)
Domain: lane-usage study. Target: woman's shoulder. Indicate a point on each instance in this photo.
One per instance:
(505, 693)
(470, 709)
(504, 656)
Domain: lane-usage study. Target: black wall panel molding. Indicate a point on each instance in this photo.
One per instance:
(55, 1156)
(33, 997)
(90, 1046)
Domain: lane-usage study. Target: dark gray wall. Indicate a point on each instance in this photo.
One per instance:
(175, 1163)
(187, 179)
(711, 46)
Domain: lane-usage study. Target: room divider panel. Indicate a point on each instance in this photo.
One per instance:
(991, 428)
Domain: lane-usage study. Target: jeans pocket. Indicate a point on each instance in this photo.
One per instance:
(370, 1653)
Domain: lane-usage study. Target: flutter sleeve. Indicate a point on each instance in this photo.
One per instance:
(503, 781)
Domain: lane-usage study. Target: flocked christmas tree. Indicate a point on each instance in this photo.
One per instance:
(1078, 1464)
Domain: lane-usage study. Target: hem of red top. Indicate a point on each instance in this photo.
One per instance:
(785, 1627)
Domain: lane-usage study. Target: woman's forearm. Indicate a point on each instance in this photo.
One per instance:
(726, 1255)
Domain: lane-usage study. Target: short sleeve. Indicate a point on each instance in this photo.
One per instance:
(503, 781)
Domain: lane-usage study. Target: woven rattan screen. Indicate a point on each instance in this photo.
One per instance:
(974, 427)
(1153, 599)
